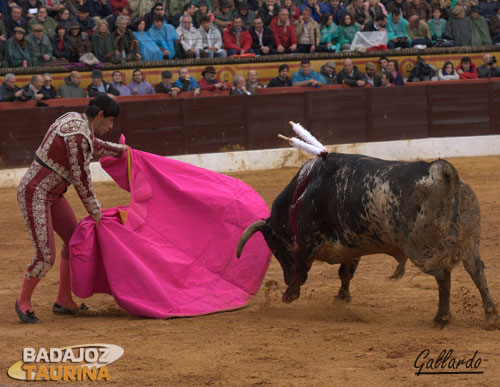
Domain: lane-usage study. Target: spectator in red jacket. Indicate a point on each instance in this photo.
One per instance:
(467, 69)
(284, 33)
(209, 83)
(237, 38)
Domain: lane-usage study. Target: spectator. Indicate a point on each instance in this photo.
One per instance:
(16, 50)
(28, 5)
(418, 31)
(49, 91)
(3, 39)
(125, 42)
(71, 88)
(149, 50)
(9, 91)
(117, 5)
(61, 45)
(188, 10)
(458, 27)
(284, 33)
(252, 84)
(479, 28)
(292, 8)
(175, 6)
(139, 86)
(347, 31)
(64, 18)
(386, 80)
(80, 43)
(376, 24)
(282, 79)
(42, 18)
(488, 8)
(422, 71)
(307, 77)
(39, 46)
(203, 10)
(239, 87)
(262, 38)
(421, 8)
(123, 11)
(393, 70)
(164, 36)
(157, 9)
(268, 11)
(383, 61)
(165, 86)
(374, 8)
(467, 69)
(437, 25)
(351, 76)
(223, 16)
(396, 31)
(237, 39)
(87, 24)
(211, 39)
(190, 39)
(98, 86)
(358, 12)
(99, 9)
(308, 33)
(489, 67)
(495, 25)
(16, 20)
(247, 15)
(204, 3)
(371, 75)
(32, 91)
(118, 84)
(336, 10)
(209, 83)
(447, 73)
(328, 70)
(103, 44)
(53, 6)
(400, 5)
(186, 82)
(329, 34)
(316, 7)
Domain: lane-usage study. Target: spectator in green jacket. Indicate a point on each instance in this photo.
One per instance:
(437, 25)
(42, 18)
(39, 46)
(16, 50)
(72, 88)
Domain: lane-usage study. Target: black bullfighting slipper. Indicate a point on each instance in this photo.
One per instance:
(59, 309)
(28, 317)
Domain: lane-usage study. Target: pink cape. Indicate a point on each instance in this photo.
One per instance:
(175, 255)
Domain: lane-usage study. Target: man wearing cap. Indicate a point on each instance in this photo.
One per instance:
(165, 86)
(98, 86)
(223, 16)
(83, 18)
(211, 39)
(62, 159)
(186, 82)
(262, 38)
(71, 88)
(282, 79)
(39, 46)
(328, 70)
(237, 39)
(371, 75)
(247, 15)
(190, 39)
(209, 83)
(480, 28)
(118, 84)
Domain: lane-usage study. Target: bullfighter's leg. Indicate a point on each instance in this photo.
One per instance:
(475, 267)
(346, 272)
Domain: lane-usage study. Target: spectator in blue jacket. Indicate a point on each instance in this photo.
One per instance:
(187, 83)
(316, 7)
(164, 35)
(307, 77)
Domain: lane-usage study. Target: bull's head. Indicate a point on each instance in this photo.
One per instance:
(281, 249)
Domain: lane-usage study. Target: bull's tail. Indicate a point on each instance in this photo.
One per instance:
(249, 231)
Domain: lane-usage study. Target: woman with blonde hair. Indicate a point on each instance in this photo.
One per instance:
(102, 41)
(458, 27)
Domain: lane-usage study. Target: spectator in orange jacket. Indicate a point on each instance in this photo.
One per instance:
(237, 38)
(467, 69)
(284, 33)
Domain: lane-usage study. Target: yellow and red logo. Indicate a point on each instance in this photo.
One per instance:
(85, 362)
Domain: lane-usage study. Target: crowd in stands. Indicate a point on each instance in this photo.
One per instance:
(42, 32)
(386, 75)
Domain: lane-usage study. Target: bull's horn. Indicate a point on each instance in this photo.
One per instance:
(250, 230)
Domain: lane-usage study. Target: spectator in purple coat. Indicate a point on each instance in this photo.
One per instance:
(139, 86)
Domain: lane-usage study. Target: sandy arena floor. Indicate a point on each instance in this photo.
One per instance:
(314, 341)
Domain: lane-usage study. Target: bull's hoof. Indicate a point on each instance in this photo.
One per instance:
(442, 321)
(492, 322)
(289, 297)
(343, 296)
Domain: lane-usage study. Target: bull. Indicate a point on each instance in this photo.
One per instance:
(339, 207)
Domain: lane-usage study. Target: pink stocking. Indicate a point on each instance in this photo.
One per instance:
(24, 300)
